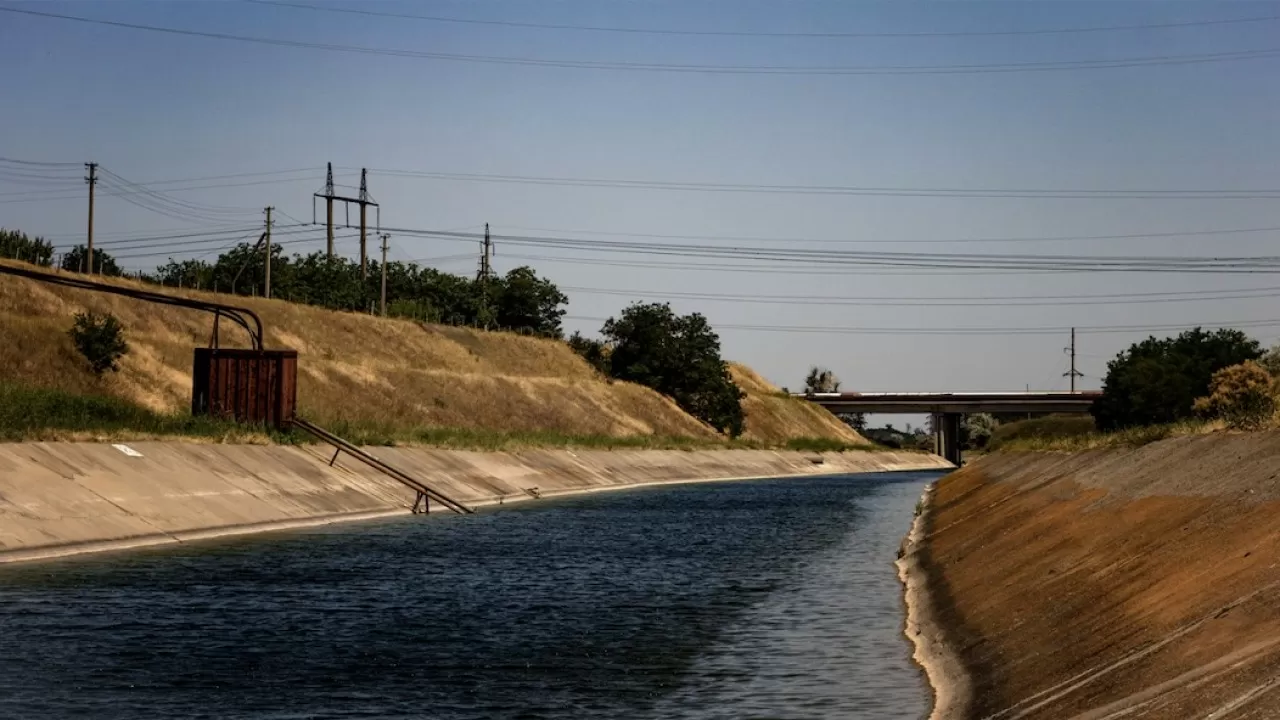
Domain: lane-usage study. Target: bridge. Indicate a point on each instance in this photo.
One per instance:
(947, 408)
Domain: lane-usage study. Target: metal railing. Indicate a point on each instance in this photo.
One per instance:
(425, 492)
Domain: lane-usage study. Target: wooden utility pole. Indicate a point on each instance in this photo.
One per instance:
(266, 270)
(92, 179)
(1073, 373)
(382, 306)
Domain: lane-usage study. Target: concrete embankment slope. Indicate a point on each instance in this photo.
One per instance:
(1136, 583)
(66, 498)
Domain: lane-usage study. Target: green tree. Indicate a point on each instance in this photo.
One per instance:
(19, 246)
(527, 303)
(679, 356)
(196, 274)
(100, 339)
(595, 352)
(77, 260)
(1156, 381)
(1243, 395)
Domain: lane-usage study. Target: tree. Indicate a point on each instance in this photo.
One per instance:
(1156, 381)
(595, 352)
(77, 260)
(679, 356)
(19, 246)
(1270, 361)
(976, 430)
(1243, 395)
(196, 274)
(100, 339)
(527, 303)
(821, 380)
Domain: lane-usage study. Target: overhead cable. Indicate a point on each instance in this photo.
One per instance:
(769, 34)
(959, 69)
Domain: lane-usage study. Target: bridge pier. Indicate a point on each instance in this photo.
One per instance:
(946, 436)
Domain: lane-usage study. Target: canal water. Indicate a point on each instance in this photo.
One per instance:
(762, 599)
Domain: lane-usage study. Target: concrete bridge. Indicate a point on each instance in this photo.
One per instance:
(948, 408)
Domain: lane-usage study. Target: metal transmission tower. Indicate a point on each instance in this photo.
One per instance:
(364, 200)
(486, 257)
(1073, 373)
(483, 276)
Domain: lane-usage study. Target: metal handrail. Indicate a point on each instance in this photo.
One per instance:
(420, 487)
(244, 317)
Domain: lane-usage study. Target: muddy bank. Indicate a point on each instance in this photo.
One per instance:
(67, 498)
(1140, 583)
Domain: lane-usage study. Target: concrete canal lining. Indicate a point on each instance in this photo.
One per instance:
(68, 498)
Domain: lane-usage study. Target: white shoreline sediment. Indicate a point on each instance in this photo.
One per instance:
(952, 688)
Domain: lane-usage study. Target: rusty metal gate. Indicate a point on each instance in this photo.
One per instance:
(257, 387)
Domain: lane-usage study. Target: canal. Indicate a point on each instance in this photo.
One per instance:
(762, 599)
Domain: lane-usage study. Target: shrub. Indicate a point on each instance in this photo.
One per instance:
(1243, 395)
(100, 339)
(1156, 381)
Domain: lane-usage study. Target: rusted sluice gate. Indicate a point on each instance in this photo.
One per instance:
(252, 386)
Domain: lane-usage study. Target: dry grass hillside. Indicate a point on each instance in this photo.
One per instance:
(352, 367)
(772, 416)
(367, 370)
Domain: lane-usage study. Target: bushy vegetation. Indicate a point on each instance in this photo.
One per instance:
(520, 301)
(100, 339)
(1241, 395)
(1156, 381)
(77, 260)
(822, 380)
(17, 245)
(677, 355)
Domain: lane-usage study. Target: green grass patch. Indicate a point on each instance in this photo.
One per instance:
(30, 413)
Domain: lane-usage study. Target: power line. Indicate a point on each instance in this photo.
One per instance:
(1014, 301)
(835, 258)
(814, 271)
(1068, 194)
(939, 241)
(38, 163)
(161, 197)
(986, 331)
(972, 69)
(776, 34)
(170, 252)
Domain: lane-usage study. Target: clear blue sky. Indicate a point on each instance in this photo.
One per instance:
(151, 106)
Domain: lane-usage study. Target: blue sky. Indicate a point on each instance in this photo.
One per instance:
(151, 106)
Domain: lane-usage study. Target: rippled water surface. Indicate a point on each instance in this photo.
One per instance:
(764, 599)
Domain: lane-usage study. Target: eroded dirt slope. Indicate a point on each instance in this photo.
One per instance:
(1138, 583)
